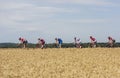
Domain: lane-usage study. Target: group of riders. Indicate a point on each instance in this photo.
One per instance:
(40, 44)
(58, 42)
(93, 42)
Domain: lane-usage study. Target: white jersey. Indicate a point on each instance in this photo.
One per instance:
(78, 41)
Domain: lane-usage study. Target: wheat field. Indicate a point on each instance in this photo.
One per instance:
(60, 63)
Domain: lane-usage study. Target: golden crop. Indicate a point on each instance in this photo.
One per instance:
(60, 63)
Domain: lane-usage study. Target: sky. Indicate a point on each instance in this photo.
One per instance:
(66, 19)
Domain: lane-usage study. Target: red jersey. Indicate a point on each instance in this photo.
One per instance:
(93, 39)
(110, 38)
(42, 41)
(22, 40)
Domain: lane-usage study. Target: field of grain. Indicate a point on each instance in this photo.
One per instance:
(60, 63)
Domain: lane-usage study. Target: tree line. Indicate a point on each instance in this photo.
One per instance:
(53, 45)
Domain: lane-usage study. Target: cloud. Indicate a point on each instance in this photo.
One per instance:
(15, 14)
(31, 16)
(101, 9)
(85, 2)
(88, 21)
(83, 21)
(12, 5)
(31, 7)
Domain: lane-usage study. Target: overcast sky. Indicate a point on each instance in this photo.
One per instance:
(66, 19)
